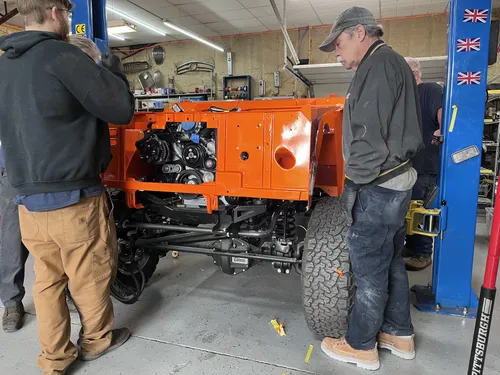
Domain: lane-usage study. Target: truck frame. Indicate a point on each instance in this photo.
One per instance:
(242, 182)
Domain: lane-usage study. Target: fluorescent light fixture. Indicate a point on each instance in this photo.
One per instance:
(116, 36)
(135, 20)
(120, 27)
(193, 36)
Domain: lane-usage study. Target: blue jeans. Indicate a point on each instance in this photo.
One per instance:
(376, 242)
(421, 245)
(13, 253)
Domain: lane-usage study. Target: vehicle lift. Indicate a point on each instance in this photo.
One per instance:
(451, 217)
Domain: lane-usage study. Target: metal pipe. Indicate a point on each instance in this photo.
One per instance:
(285, 33)
(176, 237)
(176, 228)
(284, 24)
(196, 250)
(185, 237)
(199, 238)
(198, 230)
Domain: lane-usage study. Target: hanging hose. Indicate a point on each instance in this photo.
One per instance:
(124, 293)
(128, 294)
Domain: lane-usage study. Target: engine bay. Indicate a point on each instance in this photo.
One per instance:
(182, 152)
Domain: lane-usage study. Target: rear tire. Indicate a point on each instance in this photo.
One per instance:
(327, 282)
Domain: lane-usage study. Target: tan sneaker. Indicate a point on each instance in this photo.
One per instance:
(401, 346)
(340, 350)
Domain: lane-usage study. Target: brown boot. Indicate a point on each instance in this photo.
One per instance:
(340, 350)
(120, 337)
(418, 263)
(400, 346)
(13, 318)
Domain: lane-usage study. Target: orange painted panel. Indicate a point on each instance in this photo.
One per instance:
(290, 152)
(244, 145)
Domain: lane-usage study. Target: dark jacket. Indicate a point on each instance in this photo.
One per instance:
(428, 161)
(382, 122)
(56, 103)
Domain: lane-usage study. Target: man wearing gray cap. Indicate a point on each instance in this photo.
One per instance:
(381, 134)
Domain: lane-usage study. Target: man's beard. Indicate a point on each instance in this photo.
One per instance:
(64, 30)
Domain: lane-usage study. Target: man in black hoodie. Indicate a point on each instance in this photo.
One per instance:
(55, 102)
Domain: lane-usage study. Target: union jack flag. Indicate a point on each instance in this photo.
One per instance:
(469, 78)
(468, 45)
(476, 15)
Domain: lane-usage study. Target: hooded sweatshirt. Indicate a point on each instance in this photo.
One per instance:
(55, 103)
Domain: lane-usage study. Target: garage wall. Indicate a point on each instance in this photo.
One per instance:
(260, 55)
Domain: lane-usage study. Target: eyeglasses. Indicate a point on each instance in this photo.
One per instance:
(70, 12)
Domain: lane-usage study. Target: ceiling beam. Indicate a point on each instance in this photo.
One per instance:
(8, 16)
(285, 33)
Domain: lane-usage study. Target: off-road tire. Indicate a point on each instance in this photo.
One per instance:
(327, 282)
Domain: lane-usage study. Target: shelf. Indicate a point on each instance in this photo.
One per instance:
(433, 69)
(169, 96)
(485, 201)
(490, 144)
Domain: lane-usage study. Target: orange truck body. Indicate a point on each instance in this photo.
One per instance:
(291, 147)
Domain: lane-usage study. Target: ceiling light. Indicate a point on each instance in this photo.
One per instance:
(120, 27)
(136, 21)
(116, 36)
(193, 36)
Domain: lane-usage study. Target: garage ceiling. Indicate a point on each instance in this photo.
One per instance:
(211, 18)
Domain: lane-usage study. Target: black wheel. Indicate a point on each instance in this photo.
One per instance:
(131, 279)
(135, 265)
(327, 282)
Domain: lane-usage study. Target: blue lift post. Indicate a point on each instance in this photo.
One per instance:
(464, 104)
(89, 20)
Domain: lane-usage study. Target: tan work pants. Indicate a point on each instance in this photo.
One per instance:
(75, 244)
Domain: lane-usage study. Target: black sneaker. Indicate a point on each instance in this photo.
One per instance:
(418, 263)
(119, 337)
(13, 318)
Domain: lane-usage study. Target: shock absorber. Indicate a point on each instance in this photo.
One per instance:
(285, 226)
(284, 238)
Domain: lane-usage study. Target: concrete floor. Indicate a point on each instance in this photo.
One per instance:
(192, 319)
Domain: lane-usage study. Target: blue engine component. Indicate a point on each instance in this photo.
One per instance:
(188, 125)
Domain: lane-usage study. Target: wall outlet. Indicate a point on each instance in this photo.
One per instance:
(262, 87)
(229, 63)
(277, 79)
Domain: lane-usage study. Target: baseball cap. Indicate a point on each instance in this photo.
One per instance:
(350, 17)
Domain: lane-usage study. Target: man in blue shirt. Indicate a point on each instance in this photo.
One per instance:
(56, 144)
(427, 163)
(13, 253)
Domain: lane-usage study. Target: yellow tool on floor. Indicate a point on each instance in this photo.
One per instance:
(279, 327)
(309, 353)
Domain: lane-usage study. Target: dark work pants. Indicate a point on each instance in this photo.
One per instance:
(13, 253)
(421, 245)
(376, 242)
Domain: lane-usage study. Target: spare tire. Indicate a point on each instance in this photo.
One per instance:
(327, 282)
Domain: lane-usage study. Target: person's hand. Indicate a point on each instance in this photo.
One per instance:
(348, 199)
(437, 137)
(112, 62)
